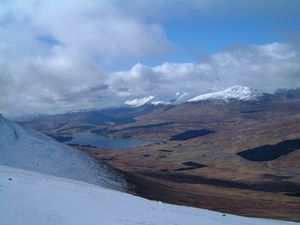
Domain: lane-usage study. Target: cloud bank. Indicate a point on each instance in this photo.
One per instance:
(56, 57)
(265, 67)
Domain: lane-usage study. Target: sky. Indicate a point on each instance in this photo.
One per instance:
(59, 56)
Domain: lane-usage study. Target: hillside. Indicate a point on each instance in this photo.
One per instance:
(31, 150)
(239, 157)
(36, 199)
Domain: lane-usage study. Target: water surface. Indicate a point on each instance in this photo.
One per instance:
(109, 143)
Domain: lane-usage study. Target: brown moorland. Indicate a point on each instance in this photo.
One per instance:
(205, 170)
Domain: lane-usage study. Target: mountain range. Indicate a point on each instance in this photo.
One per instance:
(231, 155)
(234, 93)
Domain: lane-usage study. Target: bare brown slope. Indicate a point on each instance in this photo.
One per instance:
(227, 182)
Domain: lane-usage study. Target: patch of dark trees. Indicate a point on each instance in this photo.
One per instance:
(158, 125)
(165, 150)
(79, 145)
(252, 111)
(191, 166)
(270, 152)
(191, 134)
(296, 194)
(289, 188)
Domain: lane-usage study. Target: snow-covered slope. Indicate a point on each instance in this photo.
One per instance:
(146, 100)
(30, 150)
(160, 103)
(239, 93)
(36, 199)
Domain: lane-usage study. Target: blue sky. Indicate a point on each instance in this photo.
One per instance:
(74, 54)
(197, 36)
(211, 36)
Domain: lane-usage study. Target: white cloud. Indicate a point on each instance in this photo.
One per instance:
(42, 88)
(266, 67)
(53, 56)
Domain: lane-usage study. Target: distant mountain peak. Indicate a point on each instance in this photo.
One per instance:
(238, 92)
(160, 103)
(139, 101)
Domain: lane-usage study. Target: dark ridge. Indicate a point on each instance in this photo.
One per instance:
(270, 152)
(78, 145)
(276, 177)
(192, 166)
(296, 194)
(184, 169)
(190, 134)
(62, 138)
(149, 126)
(187, 168)
(275, 187)
(73, 144)
(88, 146)
(164, 150)
(252, 111)
(76, 127)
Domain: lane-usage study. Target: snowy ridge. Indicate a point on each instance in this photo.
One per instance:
(139, 101)
(30, 150)
(146, 100)
(239, 93)
(23, 196)
(235, 93)
(160, 103)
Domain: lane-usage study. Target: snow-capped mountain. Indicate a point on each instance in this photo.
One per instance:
(235, 93)
(30, 150)
(240, 93)
(37, 199)
(139, 101)
(146, 100)
(160, 103)
(152, 100)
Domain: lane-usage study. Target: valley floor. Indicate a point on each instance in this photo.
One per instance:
(240, 158)
(149, 179)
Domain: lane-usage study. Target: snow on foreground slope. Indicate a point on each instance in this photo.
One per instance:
(233, 93)
(37, 199)
(30, 150)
